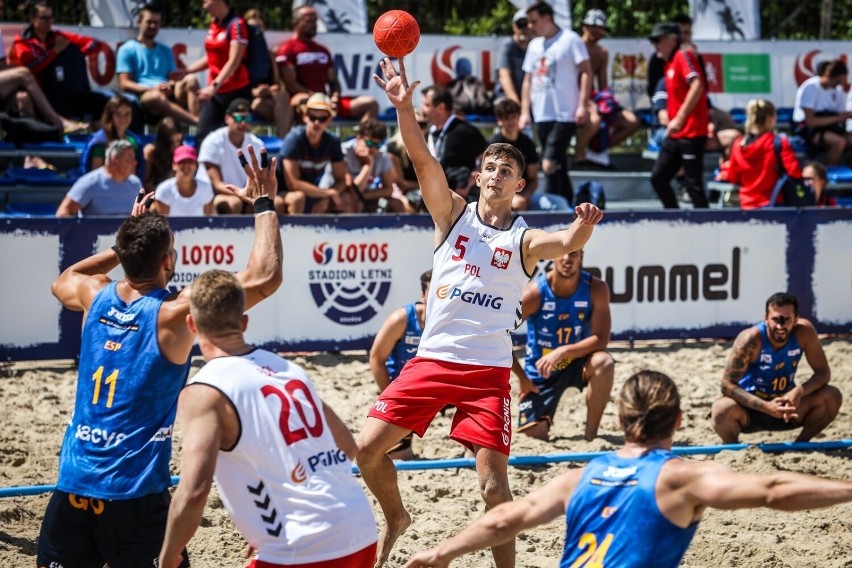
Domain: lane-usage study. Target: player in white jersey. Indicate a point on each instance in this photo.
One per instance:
(484, 256)
(280, 457)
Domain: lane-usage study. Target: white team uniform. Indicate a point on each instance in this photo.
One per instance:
(287, 486)
(478, 281)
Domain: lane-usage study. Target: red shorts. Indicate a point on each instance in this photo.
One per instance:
(344, 107)
(480, 394)
(364, 558)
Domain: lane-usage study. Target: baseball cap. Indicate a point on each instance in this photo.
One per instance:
(184, 152)
(595, 18)
(238, 105)
(520, 15)
(662, 30)
(320, 101)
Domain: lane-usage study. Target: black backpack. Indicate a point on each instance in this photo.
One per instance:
(470, 96)
(793, 191)
(257, 55)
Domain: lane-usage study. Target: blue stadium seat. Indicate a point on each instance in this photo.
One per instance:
(739, 115)
(839, 174)
(388, 115)
(784, 115)
(34, 176)
(273, 144)
(645, 117)
(29, 210)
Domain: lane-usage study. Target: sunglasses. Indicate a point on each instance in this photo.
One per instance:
(781, 320)
(373, 143)
(238, 118)
(318, 117)
(522, 23)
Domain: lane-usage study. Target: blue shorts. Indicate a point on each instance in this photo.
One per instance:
(536, 407)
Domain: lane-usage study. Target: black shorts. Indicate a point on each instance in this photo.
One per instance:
(760, 422)
(82, 532)
(536, 407)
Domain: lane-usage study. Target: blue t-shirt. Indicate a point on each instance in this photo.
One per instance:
(312, 161)
(97, 144)
(774, 371)
(558, 321)
(406, 348)
(147, 66)
(119, 441)
(614, 519)
(99, 194)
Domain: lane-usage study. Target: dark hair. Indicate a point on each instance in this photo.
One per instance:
(440, 96)
(112, 105)
(648, 407)
(506, 152)
(160, 166)
(32, 6)
(821, 67)
(682, 19)
(150, 8)
(372, 128)
(506, 107)
(780, 299)
(836, 69)
(818, 168)
(141, 243)
(425, 279)
(543, 9)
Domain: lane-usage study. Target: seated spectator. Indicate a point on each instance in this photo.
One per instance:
(115, 124)
(460, 179)
(158, 154)
(108, 190)
(146, 69)
(753, 164)
(452, 140)
(18, 120)
(184, 195)
(308, 67)
(270, 101)
(224, 58)
(508, 112)
(406, 186)
(819, 112)
(306, 153)
(218, 155)
(57, 59)
(369, 171)
(510, 59)
(815, 174)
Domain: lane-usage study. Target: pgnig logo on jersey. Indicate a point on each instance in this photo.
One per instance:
(353, 282)
(448, 291)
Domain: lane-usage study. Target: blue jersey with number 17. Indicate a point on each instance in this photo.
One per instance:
(119, 441)
(613, 518)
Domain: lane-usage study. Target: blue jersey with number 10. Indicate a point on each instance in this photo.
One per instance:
(773, 373)
(613, 518)
(119, 441)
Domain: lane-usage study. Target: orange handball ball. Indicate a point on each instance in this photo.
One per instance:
(396, 33)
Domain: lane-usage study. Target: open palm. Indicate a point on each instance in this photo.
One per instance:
(395, 83)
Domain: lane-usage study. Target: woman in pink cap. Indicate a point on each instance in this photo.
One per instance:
(184, 195)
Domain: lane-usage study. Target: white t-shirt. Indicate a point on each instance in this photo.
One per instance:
(217, 149)
(179, 206)
(287, 486)
(814, 96)
(381, 163)
(553, 67)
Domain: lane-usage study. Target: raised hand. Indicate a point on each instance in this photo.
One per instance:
(261, 180)
(395, 83)
(588, 214)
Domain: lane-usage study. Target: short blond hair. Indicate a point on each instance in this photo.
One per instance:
(217, 302)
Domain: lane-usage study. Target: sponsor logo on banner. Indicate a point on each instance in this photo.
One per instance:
(353, 281)
(193, 260)
(629, 75)
(806, 63)
(450, 63)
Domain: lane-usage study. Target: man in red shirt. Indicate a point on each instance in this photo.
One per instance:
(686, 132)
(307, 67)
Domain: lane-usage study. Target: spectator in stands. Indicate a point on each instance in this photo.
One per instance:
(115, 125)
(57, 59)
(108, 190)
(218, 155)
(146, 69)
(510, 60)
(557, 84)
(407, 187)
(508, 113)
(819, 112)
(227, 77)
(369, 171)
(452, 140)
(814, 173)
(619, 123)
(686, 132)
(158, 154)
(753, 164)
(308, 67)
(461, 180)
(306, 153)
(271, 101)
(184, 195)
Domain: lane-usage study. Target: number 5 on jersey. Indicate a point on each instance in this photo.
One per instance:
(459, 246)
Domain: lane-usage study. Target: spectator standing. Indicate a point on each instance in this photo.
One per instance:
(307, 67)
(147, 70)
(184, 195)
(369, 171)
(158, 154)
(270, 101)
(820, 115)
(115, 125)
(815, 174)
(452, 140)
(227, 78)
(57, 59)
(753, 164)
(218, 154)
(555, 93)
(108, 190)
(510, 60)
(686, 131)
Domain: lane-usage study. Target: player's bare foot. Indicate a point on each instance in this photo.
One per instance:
(391, 531)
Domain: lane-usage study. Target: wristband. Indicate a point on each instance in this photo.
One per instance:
(263, 205)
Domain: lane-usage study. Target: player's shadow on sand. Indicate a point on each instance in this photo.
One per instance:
(612, 440)
(24, 545)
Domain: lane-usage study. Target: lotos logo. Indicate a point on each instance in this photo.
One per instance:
(483, 299)
(299, 475)
(323, 253)
(444, 70)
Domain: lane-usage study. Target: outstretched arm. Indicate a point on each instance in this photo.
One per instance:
(540, 244)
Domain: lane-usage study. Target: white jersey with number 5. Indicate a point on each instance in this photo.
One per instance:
(287, 486)
(474, 302)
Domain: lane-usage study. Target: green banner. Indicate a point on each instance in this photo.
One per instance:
(747, 73)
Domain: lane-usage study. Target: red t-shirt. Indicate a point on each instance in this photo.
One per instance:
(680, 70)
(29, 51)
(754, 167)
(217, 44)
(310, 60)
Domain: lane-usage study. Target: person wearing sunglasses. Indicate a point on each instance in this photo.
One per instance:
(759, 391)
(369, 171)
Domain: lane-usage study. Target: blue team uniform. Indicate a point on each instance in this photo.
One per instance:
(406, 348)
(613, 518)
(118, 444)
(559, 321)
(774, 371)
